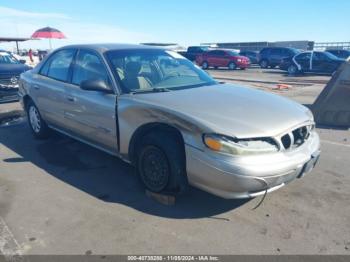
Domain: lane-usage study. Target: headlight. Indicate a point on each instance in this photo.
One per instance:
(234, 146)
(239, 60)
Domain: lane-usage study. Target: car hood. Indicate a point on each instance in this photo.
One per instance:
(13, 69)
(232, 110)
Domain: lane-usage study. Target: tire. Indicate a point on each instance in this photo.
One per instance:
(264, 63)
(161, 163)
(232, 66)
(205, 65)
(293, 70)
(37, 125)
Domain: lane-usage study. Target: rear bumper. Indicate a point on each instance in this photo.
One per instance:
(249, 176)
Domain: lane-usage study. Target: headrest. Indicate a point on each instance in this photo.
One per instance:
(133, 68)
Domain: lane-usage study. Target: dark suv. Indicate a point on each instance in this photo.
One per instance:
(273, 56)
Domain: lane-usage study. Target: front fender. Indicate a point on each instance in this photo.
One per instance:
(133, 114)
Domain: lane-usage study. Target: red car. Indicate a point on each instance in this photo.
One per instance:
(222, 58)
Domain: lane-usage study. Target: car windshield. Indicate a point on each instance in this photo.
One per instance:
(331, 56)
(295, 51)
(141, 70)
(6, 58)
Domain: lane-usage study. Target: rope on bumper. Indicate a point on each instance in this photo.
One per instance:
(264, 196)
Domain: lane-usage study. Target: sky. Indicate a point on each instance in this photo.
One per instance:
(184, 22)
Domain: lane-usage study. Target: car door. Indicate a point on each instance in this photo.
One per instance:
(212, 58)
(223, 58)
(49, 86)
(91, 115)
(322, 63)
(304, 61)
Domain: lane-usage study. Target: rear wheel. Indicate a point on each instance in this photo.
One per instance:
(161, 163)
(232, 66)
(205, 65)
(37, 124)
(293, 70)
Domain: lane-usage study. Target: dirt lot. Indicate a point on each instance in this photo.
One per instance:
(62, 197)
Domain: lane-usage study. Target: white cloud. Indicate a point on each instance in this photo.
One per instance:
(18, 23)
(10, 12)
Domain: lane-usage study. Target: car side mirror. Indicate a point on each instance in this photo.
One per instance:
(22, 61)
(96, 85)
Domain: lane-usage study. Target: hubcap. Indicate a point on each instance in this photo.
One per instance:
(205, 65)
(34, 119)
(232, 66)
(292, 69)
(263, 64)
(154, 169)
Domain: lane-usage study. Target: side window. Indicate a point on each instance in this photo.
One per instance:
(59, 64)
(88, 66)
(45, 68)
(221, 53)
(287, 52)
(276, 51)
(303, 57)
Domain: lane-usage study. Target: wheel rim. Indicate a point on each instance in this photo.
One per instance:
(34, 119)
(292, 70)
(154, 168)
(231, 66)
(263, 64)
(205, 65)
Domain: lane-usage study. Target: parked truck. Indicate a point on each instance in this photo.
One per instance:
(193, 51)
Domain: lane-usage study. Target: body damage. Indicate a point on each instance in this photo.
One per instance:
(220, 109)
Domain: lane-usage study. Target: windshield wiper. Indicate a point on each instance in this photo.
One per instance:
(150, 90)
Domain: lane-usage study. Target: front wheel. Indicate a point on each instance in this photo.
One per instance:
(232, 66)
(161, 163)
(37, 124)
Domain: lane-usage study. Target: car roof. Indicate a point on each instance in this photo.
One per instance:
(103, 47)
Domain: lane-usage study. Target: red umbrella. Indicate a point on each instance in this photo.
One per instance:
(48, 32)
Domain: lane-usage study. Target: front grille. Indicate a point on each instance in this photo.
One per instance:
(296, 138)
(9, 81)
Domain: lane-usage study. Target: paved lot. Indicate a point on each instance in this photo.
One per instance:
(59, 196)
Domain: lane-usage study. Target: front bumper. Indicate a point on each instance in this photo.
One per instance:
(249, 176)
(242, 64)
